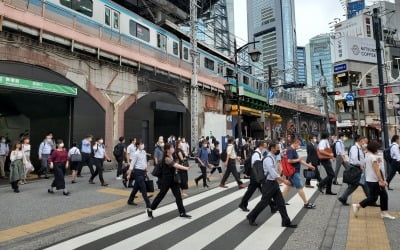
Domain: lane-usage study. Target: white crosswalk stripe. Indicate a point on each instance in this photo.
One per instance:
(200, 234)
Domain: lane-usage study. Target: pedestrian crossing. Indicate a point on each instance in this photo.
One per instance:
(215, 218)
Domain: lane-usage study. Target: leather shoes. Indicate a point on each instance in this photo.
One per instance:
(223, 186)
(197, 182)
(184, 215)
(290, 225)
(244, 209)
(251, 222)
(149, 213)
(241, 186)
(389, 188)
(309, 186)
(132, 203)
(104, 184)
(344, 203)
(320, 188)
(330, 193)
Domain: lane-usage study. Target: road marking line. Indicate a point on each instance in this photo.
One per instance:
(147, 236)
(269, 231)
(114, 228)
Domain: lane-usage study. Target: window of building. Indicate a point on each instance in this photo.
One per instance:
(368, 79)
(175, 48)
(246, 80)
(220, 68)
(208, 63)
(185, 53)
(139, 31)
(162, 41)
(82, 6)
(371, 106)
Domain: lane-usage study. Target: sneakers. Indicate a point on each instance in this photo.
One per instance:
(310, 206)
(355, 209)
(118, 178)
(223, 186)
(387, 216)
(184, 215)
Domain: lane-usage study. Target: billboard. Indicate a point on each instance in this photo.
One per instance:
(354, 7)
(354, 49)
(359, 26)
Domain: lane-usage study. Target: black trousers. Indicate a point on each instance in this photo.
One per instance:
(394, 167)
(14, 185)
(119, 166)
(167, 182)
(330, 174)
(251, 188)
(216, 168)
(203, 175)
(270, 190)
(139, 185)
(375, 191)
(86, 161)
(317, 176)
(231, 168)
(184, 179)
(99, 169)
(59, 173)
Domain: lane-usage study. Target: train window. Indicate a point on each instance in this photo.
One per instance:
(162, 41)
(209, 64)
(139, 31)
(246, 80)
(185, 53)
(107, 16)
(83, 6)
(175, 48)
(116, 20)
(229, 72)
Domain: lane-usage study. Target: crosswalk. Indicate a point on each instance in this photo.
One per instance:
(216, 223)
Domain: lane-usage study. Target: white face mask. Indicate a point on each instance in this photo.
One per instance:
(61, 145)
(183, 140)
(101, 141)
(141, 147)
(3, 140)
(162, 145)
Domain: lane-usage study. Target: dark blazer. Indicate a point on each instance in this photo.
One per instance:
(312, 154)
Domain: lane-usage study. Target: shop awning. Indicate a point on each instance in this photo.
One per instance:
(254, 112)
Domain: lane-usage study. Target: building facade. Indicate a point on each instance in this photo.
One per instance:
(272, 22)
(319, 49)
(301, 65)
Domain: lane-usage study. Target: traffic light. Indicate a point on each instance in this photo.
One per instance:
(334, 93)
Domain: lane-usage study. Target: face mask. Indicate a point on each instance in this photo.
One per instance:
(172, 150)
(277, 152)
(141, 147)
(365, 145)
(3, 140)
(283, 141)
(183, 140)
(49, 139)
(204, 145)
(314, 140)
(101, 141)
(61, 145)
(162, 145)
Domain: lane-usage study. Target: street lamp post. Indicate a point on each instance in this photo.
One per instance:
(254, 55)
(324, 93)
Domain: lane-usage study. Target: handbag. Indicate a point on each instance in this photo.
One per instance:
(157, 171)
(322, 156)
(352, 175)
(363, 179)
(177, 178)
(149, 184)
(309, 174)
(76, 157)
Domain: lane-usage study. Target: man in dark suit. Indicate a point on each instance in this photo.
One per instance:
(313, 159)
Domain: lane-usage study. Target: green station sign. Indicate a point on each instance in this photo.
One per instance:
(14, 82)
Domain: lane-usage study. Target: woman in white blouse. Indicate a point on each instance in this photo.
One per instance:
(374, 174)
(26, 150)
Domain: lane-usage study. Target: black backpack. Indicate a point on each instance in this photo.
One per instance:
(118, 151)
(386, 154)
(224, 155)
(257, 172)
(247, 163)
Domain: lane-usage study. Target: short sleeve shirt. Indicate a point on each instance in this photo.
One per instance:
(293, 155)
(323, 144)
(131, 150)
(168, 167)
(230, 150)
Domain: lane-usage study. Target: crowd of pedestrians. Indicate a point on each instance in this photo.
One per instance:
(279, 159)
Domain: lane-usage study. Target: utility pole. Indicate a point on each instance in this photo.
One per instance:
(324, 93)
(376, 20)
(272, 108)
(193, 84)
